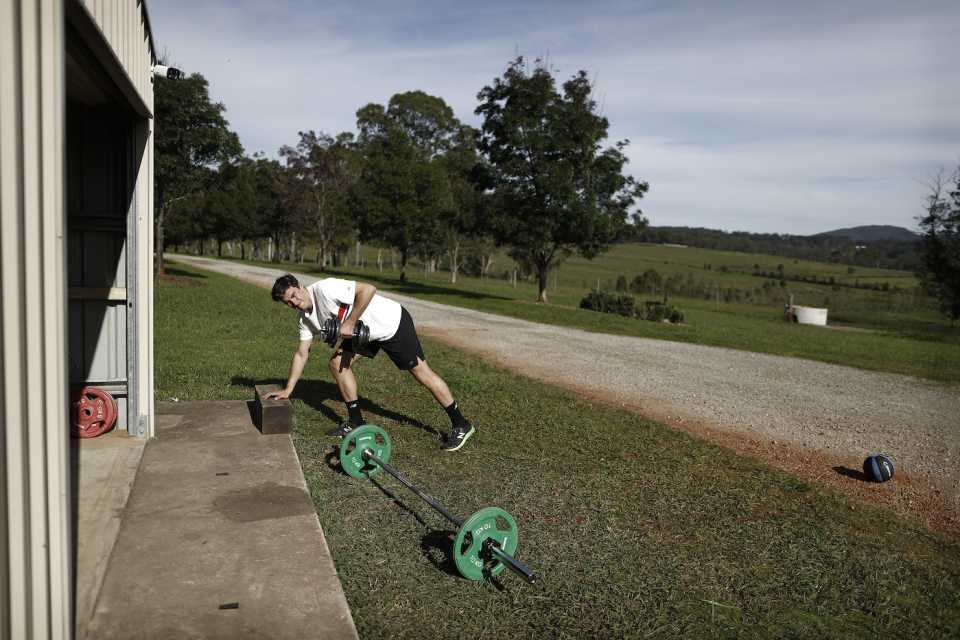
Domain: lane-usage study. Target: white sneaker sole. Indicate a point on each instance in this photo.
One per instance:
(463, 441)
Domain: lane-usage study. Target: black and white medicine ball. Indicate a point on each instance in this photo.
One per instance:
(878, 467)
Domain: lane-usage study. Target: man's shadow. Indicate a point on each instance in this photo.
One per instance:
(317, 393)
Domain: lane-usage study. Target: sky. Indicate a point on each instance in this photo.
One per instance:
(763, 116)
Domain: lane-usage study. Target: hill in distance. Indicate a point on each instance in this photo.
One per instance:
(872, 233)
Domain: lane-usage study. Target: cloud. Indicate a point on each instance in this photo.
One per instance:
(790, 117)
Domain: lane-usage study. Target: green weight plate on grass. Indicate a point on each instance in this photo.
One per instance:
(468, 553)
(368, 436)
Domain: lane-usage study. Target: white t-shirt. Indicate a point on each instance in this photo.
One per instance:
(333, 297)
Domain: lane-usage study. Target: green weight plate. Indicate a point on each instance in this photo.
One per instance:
(468, 553)
(368, 436)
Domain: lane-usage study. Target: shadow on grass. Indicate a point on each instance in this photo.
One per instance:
(416, 288)
(852, 473)
(316, 394)
(436, 544)
(174, 271)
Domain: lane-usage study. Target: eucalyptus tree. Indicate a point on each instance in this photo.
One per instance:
(318, 174)
(403, 196)
(556, 190)
(192, 138)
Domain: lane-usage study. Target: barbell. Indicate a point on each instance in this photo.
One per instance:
(485, 542)
(330, 333)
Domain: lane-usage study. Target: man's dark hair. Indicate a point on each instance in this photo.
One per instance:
(283, 283)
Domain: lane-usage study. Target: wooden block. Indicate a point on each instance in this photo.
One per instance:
(271, 416)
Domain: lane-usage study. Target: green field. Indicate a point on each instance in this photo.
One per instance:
(637, 531)
(897, 331)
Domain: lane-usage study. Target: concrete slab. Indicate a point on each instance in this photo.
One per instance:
(220, 538)
(103, 473)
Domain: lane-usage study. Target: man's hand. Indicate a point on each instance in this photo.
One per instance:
(347, 328)
(283, 394)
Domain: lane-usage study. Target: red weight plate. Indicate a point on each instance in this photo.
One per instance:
(95, 412)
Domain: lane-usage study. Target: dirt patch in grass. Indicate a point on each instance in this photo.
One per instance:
(181, 281)
(906, 495)
(914, 497)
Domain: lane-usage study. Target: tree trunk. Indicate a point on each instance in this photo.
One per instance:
(380, 260)
(485, 263)
(403, 265)
(243, 250)
(158, 244)
(542, 273)
(454, 265)
(357, 262)
(219, 248)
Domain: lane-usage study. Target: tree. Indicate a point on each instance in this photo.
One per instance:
(320, 171)
(555, 189)
(462, 224)
(404, 191)
(242, 202)
(191, 138)
(940, 253)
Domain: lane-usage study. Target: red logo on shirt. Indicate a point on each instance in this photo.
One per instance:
(342, 312)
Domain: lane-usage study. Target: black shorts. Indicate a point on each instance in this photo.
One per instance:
(403, 348)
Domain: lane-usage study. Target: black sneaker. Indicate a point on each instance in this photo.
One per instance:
(458, 437)
(342, 429)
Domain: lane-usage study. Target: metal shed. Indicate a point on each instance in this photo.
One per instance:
(76, 241)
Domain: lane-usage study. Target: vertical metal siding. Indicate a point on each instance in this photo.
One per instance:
(121, 22)
(34, 458)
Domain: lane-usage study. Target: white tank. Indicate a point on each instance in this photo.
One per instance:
(810, 315)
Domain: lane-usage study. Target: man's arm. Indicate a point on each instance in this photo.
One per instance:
(296, 368)
(363, 294)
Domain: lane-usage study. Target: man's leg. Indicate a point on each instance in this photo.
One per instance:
(340, 367)
(343, 375)
(462, 429)
(426, 376)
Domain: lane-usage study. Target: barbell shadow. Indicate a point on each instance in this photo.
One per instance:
(437, 542)
(434, 541)
(397, 501)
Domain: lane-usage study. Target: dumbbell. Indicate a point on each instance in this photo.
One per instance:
(330, 333)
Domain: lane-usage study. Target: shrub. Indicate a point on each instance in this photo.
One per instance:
(648, 282)
(657, 311)
(623, 305)
(621, 283)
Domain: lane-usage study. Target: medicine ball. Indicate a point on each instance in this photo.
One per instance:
(878, 467)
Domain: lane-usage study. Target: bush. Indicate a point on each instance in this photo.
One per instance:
(623, 305)
(657, 311)
(621, 283)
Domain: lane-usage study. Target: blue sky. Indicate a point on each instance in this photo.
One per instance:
(786, 117)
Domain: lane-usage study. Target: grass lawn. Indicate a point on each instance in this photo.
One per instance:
(917, 343)
(635, 530)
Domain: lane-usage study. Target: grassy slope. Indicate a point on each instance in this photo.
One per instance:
(637, 531)
(918, 343)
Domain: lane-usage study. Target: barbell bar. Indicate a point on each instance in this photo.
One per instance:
(485, 541)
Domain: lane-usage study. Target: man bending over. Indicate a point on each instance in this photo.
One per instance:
(391, 329)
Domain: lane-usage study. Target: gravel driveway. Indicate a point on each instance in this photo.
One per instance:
(804, 416)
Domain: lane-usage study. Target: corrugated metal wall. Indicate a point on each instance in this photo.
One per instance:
(35, 554)
(34, 454)
(125, 28)
(109, 211)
